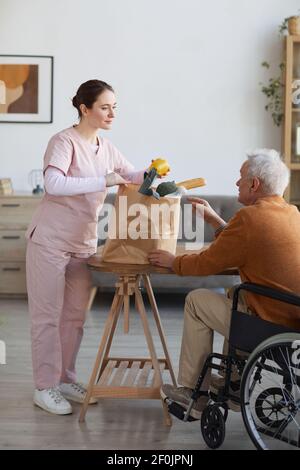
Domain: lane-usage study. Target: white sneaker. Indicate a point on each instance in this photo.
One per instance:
(75, 392)
(51, 400)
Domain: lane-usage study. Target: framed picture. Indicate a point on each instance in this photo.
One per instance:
(26, 88)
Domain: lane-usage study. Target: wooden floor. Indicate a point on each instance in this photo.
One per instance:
(112, 424)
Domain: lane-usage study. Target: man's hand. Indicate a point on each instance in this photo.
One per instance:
(113, 179)
(204, 209)
(161, 258)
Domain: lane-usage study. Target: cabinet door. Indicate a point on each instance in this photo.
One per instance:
(12, 245)
(16, 212)
(12, 278)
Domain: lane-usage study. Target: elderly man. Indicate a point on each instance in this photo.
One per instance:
(263, 241)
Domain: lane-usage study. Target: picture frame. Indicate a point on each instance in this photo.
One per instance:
(26, 89)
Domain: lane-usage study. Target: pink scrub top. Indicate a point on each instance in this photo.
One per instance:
(69, 223)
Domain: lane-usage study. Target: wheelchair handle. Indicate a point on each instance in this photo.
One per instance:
(280, 295)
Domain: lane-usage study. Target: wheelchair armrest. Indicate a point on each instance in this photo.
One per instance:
(258, 289)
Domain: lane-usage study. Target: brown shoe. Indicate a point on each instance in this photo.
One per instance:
(182, 396)
(218, 382)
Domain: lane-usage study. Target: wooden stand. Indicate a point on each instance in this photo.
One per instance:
(125, 377)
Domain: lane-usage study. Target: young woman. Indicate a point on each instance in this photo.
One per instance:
(78, 167)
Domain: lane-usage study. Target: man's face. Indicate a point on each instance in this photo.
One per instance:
(244, 184)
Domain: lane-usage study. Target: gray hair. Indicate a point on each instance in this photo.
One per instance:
(267, 165)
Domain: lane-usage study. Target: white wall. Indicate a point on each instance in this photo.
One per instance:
(186, 75)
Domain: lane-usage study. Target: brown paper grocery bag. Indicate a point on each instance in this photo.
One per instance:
(139, 224)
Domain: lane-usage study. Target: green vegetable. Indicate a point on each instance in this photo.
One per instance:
(169, 187)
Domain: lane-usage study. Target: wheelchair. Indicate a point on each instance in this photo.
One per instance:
(267, 359)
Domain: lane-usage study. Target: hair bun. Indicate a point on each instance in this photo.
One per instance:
(75, 101)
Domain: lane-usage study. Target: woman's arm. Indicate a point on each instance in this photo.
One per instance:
(135, 177)
(57, 184)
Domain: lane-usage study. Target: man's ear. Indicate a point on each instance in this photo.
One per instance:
(256, 184)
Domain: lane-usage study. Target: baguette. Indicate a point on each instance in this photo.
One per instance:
(193, 183)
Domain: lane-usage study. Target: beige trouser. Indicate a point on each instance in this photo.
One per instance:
(205, 312)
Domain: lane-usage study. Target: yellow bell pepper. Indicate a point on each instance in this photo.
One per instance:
(161, 166)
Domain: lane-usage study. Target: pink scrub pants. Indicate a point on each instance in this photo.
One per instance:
(58, 286)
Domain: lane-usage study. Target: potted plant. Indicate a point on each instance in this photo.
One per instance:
(290, 25)
(274, 91)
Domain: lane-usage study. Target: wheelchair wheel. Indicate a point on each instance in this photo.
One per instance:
(213, 426)
(270, 393)
(270, 406)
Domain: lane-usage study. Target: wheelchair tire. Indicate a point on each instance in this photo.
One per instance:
(270, 393)
(213, 426)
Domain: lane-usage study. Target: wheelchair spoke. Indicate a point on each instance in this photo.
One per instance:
(278, 376)
(293, 376)
(281, 428)
(296, 423)
(288, 364)
(269, 403)
(275, 370)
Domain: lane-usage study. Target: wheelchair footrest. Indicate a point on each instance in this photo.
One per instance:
(177, 410)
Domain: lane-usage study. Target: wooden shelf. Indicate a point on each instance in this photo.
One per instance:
(292, 111)
(129, 378)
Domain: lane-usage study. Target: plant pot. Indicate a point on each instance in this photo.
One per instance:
(294, 25)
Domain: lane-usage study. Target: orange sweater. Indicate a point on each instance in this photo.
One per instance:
(263, 242)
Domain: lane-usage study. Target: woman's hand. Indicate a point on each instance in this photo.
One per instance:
(158, 176)
(161, 258)
(204, 209)
(161, 167)
(113, 179)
